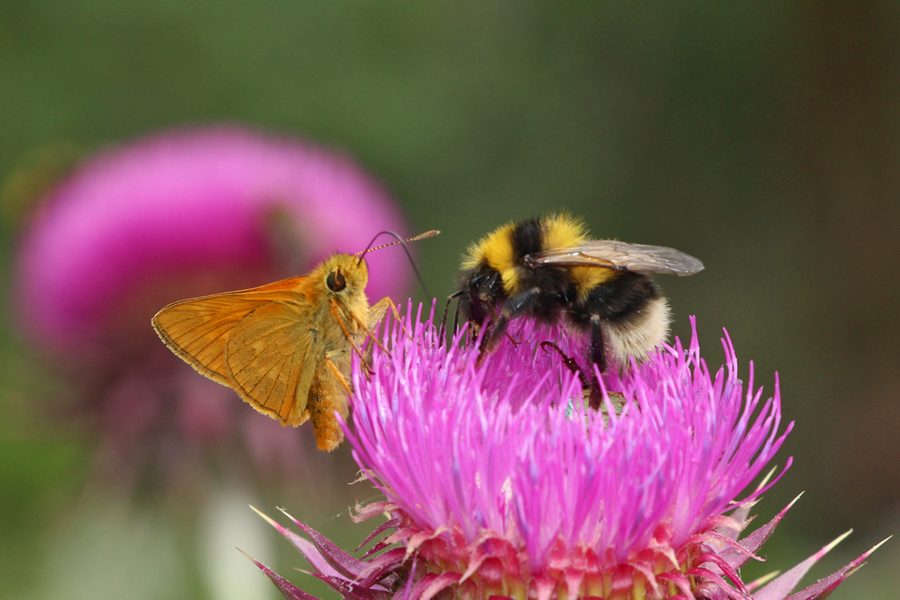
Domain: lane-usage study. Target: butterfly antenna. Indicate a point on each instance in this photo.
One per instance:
(402, 242)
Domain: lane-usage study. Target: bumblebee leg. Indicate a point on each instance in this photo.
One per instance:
(443, 329)
(511, 309)
(597, 348)
(456, 320)
(589, 383)
(570, 363)
(496, 329)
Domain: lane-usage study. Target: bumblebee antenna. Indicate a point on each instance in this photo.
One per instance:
(402, 242)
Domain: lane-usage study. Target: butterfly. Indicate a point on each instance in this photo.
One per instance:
(285, 347)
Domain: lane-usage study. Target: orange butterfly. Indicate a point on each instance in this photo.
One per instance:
(285, 347)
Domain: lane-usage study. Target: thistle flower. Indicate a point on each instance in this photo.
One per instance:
(499, 483)
(174, 215)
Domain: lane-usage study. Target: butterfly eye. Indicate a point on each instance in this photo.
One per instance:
(335, 281)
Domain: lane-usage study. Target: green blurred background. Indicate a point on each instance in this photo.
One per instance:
(762, 137)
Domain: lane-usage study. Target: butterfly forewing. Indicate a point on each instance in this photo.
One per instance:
(209, 333)
(265, 355)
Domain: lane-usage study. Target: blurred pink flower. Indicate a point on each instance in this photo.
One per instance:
(170, 216)
(184, 203)
(501, 484)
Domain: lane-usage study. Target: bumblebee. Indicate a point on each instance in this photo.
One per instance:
(550, 270)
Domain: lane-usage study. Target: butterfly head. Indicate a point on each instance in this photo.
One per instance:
(343, 275)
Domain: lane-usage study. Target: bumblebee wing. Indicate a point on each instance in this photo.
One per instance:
(210, 334)
(622, 256)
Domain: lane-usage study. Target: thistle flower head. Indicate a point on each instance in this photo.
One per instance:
(504, 460)
(500, 483)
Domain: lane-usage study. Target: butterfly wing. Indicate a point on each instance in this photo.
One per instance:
(251, 341)
(271, 356)
(622, 256)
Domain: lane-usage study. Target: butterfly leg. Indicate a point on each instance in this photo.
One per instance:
(379, 309)
(340, 376)
(376, 313)
(339, 319)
